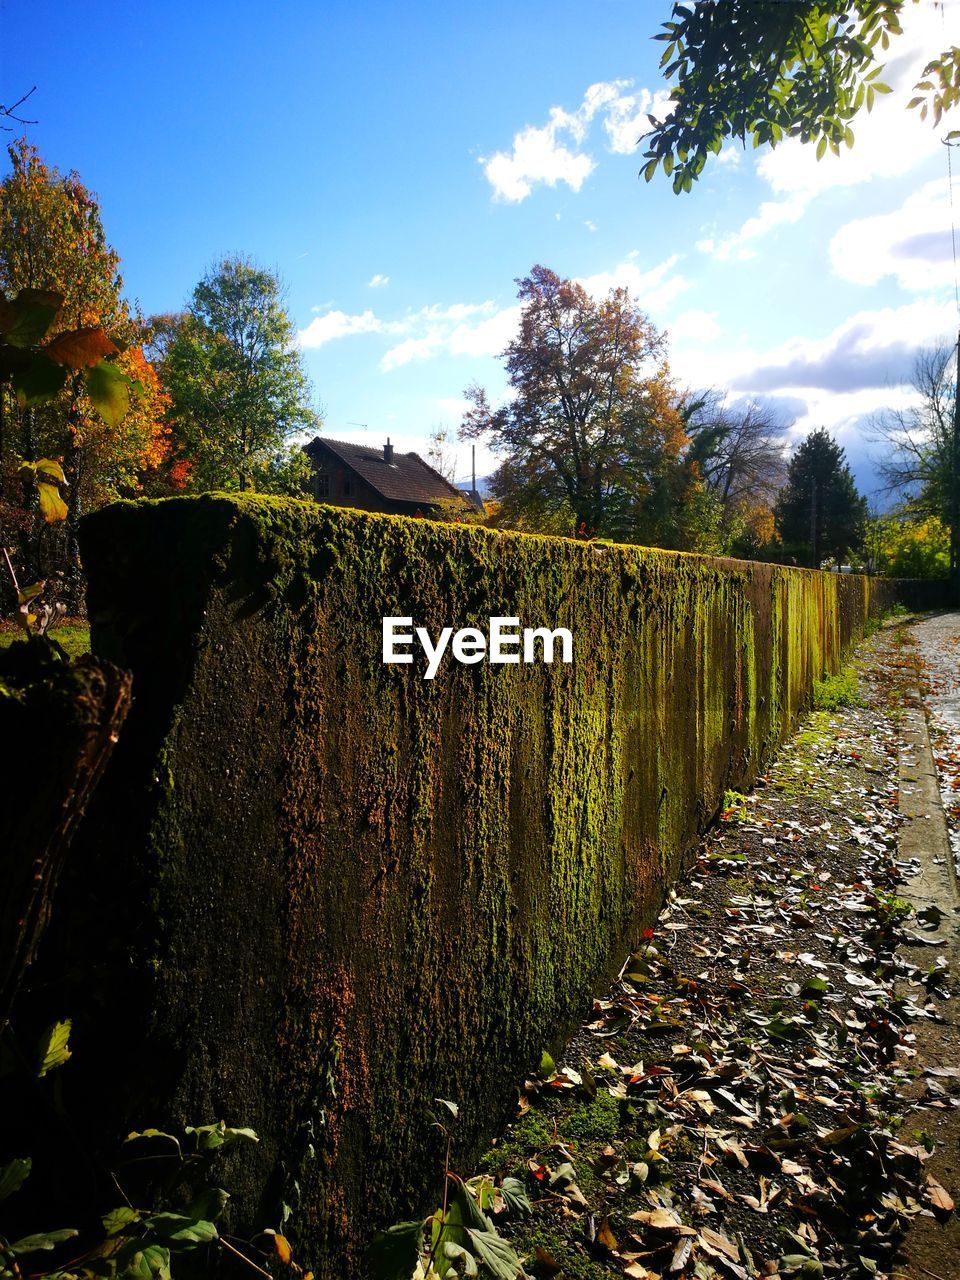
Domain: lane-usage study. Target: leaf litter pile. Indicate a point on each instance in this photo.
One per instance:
(734, 1106)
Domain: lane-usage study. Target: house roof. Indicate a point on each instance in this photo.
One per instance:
(407, 479)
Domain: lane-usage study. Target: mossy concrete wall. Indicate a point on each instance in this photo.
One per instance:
(342, 890)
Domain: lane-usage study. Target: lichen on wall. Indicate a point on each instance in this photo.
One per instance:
(357, 890)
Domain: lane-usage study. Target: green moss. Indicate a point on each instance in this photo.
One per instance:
(432, 876)
(597, 1120)
(573, 1258)
(73, 638)
(528, 1136)
(840, 690)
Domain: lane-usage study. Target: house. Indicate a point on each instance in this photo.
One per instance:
(356, 475)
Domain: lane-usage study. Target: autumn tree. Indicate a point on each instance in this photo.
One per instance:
(903, 545)
(591, 437)
(236, 379)
(52, 238)
(740, 453)
(819, 509)
(920, 442)
(767, 70)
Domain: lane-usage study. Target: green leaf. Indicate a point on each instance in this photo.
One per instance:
(179, 1229)
(496, 1254)
(814, 986)
(465, 1210)
(109, 389)
(54, 1043)
(547, 1065)
(515, 1198)
(587, 1082)
(39, 382)
(43, 1242)
(210, 1137)
(393, 1254)
(149, 1263)
(461, 1262)
(13, 1176)
(117, 1219)
(30, 315)
(153, 1133)
(452, 1107)
(209, 1202)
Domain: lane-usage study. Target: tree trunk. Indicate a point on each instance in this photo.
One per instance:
(62, 721)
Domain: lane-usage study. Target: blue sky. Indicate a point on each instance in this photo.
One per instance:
(400, 165)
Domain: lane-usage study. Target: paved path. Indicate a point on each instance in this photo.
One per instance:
(929, 771)
(938, 649)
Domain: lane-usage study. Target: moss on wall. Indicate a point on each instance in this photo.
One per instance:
(345, 890)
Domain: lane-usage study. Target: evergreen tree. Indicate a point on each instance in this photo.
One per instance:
(819, 509)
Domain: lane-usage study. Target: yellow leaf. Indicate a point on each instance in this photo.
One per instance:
(50, 467)
(55, 1046)
(282, 1246)
(52, 506)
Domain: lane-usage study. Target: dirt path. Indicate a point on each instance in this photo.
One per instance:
(771, 1087)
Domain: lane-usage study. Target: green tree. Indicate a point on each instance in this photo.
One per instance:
(235, 375)
(819, 508)
(766, 70)
(907, 547)
(592, 439)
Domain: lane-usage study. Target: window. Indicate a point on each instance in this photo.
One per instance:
(347, 486)
(323, 485)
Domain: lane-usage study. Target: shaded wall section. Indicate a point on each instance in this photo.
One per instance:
(331, 891)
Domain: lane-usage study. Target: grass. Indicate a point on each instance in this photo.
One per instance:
(841, 690)
(73, 636)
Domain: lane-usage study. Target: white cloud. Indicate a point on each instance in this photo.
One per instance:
(453, 406)
(739, 244)
(872, 349)
(653, 290)
(488, 337)
(378, 281)
(465, 329)
(912, 243)
(337, 324)
(412, 349)
(695, 326)
(889, 142)
(552, 153)
(590, 224)
(537, 157)
(626, 117)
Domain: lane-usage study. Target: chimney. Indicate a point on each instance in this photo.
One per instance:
(388, 451)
